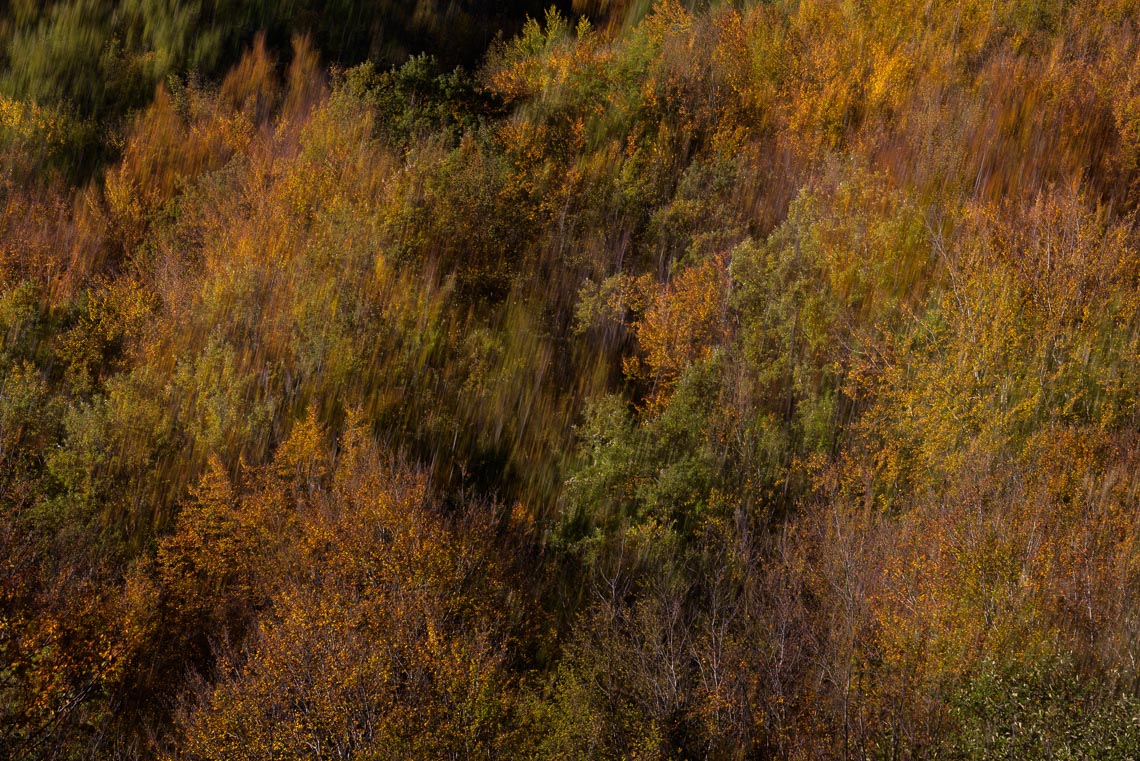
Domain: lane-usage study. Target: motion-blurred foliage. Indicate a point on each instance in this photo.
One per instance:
(683, 380)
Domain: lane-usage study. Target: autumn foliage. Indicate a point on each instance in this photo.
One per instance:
(680, 380)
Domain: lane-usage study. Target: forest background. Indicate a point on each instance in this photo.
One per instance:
(620, 380)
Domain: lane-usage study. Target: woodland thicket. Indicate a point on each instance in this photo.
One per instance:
(626, 380)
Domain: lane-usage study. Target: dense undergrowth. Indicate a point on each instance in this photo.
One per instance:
(743, 380)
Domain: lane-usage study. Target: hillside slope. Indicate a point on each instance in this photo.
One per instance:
(743, 380)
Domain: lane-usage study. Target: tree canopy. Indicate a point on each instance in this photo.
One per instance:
(622, 380)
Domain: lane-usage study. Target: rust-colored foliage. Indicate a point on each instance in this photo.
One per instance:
(801, 337)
